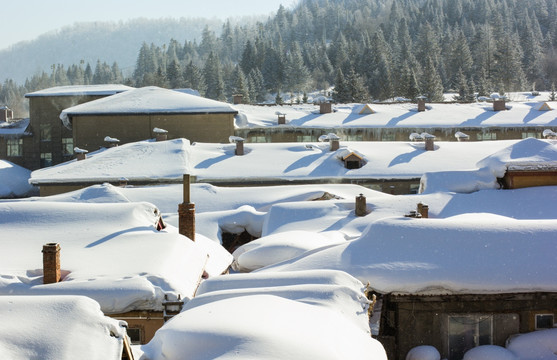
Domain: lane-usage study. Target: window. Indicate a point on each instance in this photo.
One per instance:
(258, 139)
(46, 134)
(388, 137)
(544, 321)
(135, 335)
(354, 137)
(67, 146)
(14, 147)
(486, 136)
(46, 159)
(534, 135)
(468, 331)
(304, 138)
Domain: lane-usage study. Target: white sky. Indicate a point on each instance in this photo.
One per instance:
(25, 20)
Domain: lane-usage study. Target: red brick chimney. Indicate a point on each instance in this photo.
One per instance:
(186, 212)
(423, 210)
(51, 263)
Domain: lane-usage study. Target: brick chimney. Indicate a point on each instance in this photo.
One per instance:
(429, 141)
(421, 103)
(325, 108)
(281, 119)
(238, 98)
(186, 212)
(160, 134)
(51, 263)
(361, 207)
(111, 142)
(423, 210)
(239, 144)
(80, 154)
(499, 105)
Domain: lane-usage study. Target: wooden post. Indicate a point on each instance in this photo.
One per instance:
(51, 263)
(186, 212)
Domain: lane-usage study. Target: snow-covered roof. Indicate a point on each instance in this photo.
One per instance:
(303, 315)
(400, 115)
(109, 252)
(14, 129)
(77, 90)
(143, 161)
(14, 180)
(445, 256)
(211, 162)
(149, 100)
(57, 327)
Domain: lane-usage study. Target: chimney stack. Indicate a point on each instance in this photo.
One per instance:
(281, 119)
(421, 103)
(239, 144)
(238, 99)
(325, 108)
(160, 134)
(499, 105)
(361, 207)
(429, 144)
(186, 212)
(51, 263)
(80, 154)
(423, 210)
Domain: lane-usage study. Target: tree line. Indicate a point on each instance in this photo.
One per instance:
(366, 49)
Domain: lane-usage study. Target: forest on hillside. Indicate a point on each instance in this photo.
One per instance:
(369, 50)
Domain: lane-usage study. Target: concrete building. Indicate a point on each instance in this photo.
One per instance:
(52, 143)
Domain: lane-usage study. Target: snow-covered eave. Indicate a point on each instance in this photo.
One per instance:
(138, 181)
(433, 292)
(532, 166)
(300, 180)
(150, 112)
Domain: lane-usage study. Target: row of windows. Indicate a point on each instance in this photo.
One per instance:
(14, 148)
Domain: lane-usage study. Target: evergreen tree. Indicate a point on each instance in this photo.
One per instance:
(193, 78)
(431, 84)
(174, 74)
(355, 88)
(553, 94)
(212, 74)
(240, 85)
(341, 92)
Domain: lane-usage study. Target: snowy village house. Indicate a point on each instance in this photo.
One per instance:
(53, 143)
(132, 116)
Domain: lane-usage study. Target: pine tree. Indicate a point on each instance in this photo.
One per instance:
(297, 75)
(552, 94)
(356, 88)
(213, 78)
(193, 78)
(341, 92)
(431, 86)
(240, 84)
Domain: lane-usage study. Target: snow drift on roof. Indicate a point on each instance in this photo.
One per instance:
(438, 256)
(57, 327)
(77, 90)
(148, 100)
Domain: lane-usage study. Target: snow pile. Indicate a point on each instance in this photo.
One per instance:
(536, 345)
(147, 100)
(57, 327)
(527, 154)
(423, 352)
(444, 256)
(109, 252)
(275, 248)
(303, 315)
(14, 180)
(401, 115)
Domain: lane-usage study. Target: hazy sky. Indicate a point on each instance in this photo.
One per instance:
(25, 20)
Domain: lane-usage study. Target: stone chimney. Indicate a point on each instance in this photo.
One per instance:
(423, 210)
(333, 142)
(361, 207)
(281, 119)
(186, 212)
(325, 108)
(160, 134)
(51, 263)
(499, 105)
